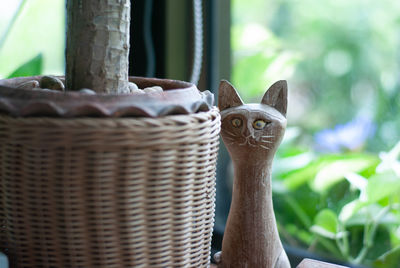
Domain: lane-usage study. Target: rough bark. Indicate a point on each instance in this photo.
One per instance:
(97, 53)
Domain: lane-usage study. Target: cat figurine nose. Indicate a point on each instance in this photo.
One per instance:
(247, 133)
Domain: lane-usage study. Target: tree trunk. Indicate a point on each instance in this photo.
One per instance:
(97, 53)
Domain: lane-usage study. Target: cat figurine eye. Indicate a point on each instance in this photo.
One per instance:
(259, 124)
(236, 122)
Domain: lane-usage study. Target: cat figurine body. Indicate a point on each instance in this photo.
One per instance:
(252, 134)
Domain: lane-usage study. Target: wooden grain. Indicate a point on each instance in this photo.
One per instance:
(251, 237)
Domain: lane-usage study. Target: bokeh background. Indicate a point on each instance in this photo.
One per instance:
(341, 59)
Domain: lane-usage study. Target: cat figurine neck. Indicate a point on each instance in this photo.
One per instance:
(252, 134)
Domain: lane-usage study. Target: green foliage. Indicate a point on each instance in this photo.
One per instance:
(390, 259)
(28, 29)
(346, 206)
(327, 170)
(381, 186)
(32, 67)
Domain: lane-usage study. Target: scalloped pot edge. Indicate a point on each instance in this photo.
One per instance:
(178, 97)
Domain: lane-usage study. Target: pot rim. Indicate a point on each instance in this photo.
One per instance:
(178, 97)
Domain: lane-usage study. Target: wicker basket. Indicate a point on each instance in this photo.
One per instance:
(108, 192)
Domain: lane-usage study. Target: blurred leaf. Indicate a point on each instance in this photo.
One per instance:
(354, 212)
(322, 232)
(382, 185)
(336, 171)
(390, 259)
(349, 210)
(301, 234)
(291, 151)
(298, 177)
(292, 161)
(357, 181)
(390, 160)
(348, 163)
(326, 224)
(300, 206)
(395, 233)
(30, 68)
(327, 220)
(381, 243)
(367, 213)
(339, 195)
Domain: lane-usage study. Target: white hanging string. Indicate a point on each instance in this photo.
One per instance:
(198, 41)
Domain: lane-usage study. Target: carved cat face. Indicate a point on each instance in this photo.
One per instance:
(253, 130)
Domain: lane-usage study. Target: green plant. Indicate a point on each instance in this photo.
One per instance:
(25, 51)
(343, 205)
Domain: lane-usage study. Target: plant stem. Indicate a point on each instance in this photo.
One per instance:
(343, 244)
(369, 234)
(11, 24)
(313, 244)
(327, 244)
(306, 221)
(289, 239)
(303, 217)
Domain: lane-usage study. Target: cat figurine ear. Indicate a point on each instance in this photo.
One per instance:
(228, 96)
(276, 96)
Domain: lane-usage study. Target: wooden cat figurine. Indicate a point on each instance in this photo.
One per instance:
(252, 134)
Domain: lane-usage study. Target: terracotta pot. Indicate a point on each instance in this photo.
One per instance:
(107, 180)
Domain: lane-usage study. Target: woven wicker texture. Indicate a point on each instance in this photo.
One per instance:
(108, 192)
